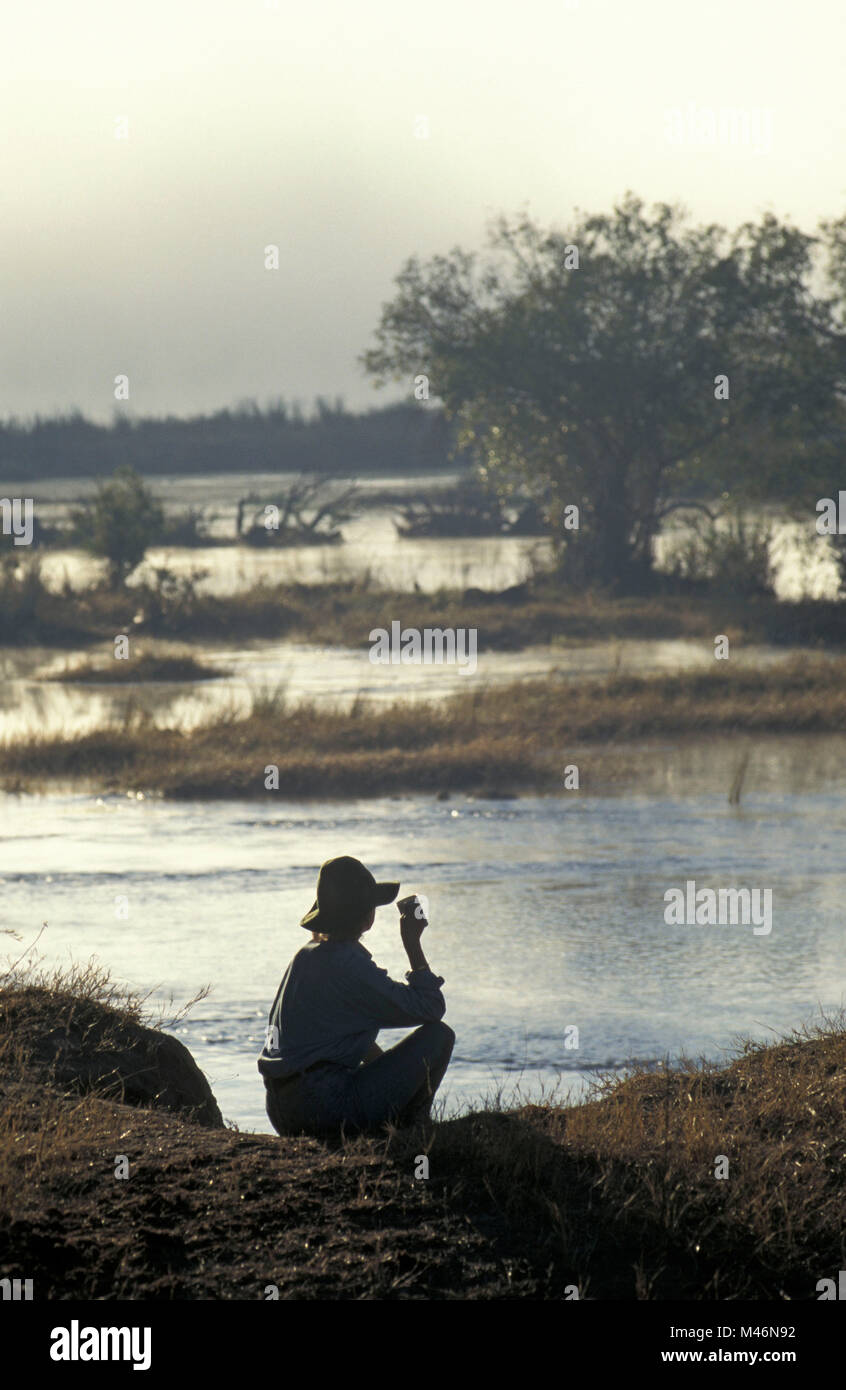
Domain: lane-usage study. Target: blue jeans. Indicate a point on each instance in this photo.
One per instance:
(398, 1087)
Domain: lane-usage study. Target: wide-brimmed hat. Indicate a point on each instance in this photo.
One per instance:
(346, 892)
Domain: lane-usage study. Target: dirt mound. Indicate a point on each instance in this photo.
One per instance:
(86, 1046)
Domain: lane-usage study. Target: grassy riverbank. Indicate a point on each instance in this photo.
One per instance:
(149, 667)
(617, 1197)
(497, 739)
(344, 612)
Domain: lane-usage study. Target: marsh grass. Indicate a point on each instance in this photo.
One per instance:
(342, 610)
(489, 739)
(149, 666)
(618, 1193)
(91, 984)
(739, 778)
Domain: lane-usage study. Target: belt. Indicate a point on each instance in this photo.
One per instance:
(283, 1080)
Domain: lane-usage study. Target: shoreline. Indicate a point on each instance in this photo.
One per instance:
(344, 612)
(615, 1197)
(497, 740)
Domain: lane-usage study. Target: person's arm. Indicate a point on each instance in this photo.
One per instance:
(417, 961)
(411, 930)
(389, 1003)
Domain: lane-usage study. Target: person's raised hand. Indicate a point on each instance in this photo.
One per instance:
(413, 920)
(412, 928)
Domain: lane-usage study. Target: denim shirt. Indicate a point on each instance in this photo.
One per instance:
(333, 1000)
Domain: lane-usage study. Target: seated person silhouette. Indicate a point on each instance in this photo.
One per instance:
(324, 1073)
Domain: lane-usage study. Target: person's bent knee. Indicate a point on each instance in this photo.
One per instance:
(439, 1038)
(437, 1031)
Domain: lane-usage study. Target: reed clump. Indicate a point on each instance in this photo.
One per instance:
(343, 609)
(505, 737)
(141, 667)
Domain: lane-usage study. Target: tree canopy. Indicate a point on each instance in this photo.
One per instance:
(632, 364)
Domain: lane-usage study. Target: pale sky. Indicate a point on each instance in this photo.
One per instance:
(251, 125)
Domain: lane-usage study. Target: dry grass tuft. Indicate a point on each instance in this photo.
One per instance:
(617, 1196)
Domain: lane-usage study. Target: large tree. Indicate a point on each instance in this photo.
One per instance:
(582, 365)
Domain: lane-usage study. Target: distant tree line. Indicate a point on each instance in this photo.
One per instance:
(403, 438)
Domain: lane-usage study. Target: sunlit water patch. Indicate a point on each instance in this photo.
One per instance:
(545, 914)
(32, 703)
(802, 560)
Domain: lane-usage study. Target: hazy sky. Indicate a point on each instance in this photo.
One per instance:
(251, 124)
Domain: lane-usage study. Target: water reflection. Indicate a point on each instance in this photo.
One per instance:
(564, 896)
(338, 676)
(802, 561)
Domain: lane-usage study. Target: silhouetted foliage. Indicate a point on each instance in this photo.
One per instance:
(309, 511)
(468, 509)
(585, 365)
(731, 556)
(118, 525)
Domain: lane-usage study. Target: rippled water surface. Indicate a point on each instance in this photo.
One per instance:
(545, 913)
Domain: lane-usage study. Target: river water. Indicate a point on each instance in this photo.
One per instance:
(546, 913)
(801, 559)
